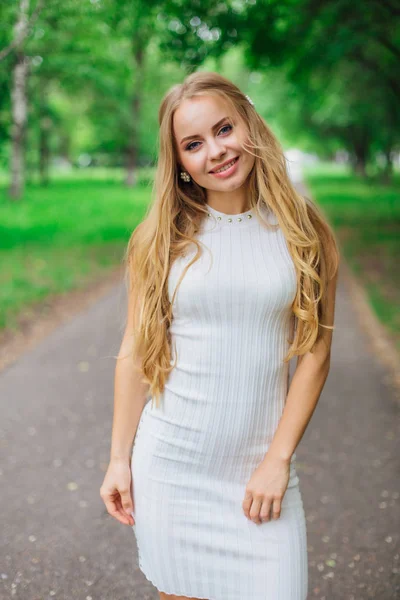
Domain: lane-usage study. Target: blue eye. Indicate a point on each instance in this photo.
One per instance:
(230, 127)
(189, 147)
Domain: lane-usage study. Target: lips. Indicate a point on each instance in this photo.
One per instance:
(223, 164)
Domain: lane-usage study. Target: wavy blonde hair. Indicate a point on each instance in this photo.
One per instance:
(174, 218)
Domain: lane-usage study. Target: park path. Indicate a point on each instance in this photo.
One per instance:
(56, 406)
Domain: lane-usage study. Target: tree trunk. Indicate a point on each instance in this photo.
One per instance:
(360, 166)
(360, 146)
(388, 169)
(131, 151)
(18, 115)
(19, 107)
(44, 150)
(133, 143)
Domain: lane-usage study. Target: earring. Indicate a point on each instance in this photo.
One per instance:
(185, 176)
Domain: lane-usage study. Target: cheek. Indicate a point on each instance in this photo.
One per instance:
(249, 158)
(195, 164)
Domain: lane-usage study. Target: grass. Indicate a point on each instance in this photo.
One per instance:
(366, 219)
(64, 236)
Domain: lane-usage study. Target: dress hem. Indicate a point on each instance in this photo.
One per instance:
(174, 593)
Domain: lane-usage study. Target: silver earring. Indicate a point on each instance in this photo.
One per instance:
(185, 176)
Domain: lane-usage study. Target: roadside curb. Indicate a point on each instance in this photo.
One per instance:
(383, 346)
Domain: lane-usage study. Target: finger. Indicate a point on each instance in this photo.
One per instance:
(246, 504)
(114, 511)
(128, 517)
(255, 510)
(276, 508)
(127, 504)
(265, 510)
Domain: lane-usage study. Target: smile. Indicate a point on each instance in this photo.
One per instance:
(227, 169)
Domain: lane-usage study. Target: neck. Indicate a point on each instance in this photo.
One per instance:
(230, 202)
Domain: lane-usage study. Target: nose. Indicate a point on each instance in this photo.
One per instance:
(216, 150)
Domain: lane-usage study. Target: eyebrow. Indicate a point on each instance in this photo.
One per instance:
(189, 137)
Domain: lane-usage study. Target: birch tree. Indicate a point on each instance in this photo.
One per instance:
(20, 73)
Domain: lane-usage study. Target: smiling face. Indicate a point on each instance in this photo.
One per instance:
(207, 136)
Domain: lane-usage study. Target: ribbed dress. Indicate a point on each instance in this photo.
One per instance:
(193, 456)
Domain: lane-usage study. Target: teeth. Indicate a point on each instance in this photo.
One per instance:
(228, 166)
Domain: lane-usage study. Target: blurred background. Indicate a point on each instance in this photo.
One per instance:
(80, 86)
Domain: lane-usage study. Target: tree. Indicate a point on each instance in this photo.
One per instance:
(23, 21)
(352, 48)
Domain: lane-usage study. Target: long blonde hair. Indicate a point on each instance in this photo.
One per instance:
(174, 218)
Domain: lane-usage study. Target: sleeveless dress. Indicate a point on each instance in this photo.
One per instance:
(193, 456)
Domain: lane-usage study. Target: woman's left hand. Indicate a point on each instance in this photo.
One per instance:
(265, 489)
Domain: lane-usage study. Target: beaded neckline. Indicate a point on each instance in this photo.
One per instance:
(229, 218)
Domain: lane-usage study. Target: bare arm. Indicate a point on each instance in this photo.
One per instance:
(269, 482)
(129, 400)
(129, 391)
(306, 386)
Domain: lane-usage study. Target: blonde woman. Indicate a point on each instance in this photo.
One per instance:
(231, 274)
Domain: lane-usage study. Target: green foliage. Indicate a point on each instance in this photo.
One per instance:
(366, 218)
(342, 60)
(65, 236)
(321, 73)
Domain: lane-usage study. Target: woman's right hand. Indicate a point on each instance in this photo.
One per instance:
(116, 491)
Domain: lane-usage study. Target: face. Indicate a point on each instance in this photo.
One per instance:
(212, 137)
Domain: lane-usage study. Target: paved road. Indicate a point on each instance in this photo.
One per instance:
(56, 407)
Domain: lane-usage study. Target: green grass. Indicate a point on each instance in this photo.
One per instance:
(63, 236)
(366, 219)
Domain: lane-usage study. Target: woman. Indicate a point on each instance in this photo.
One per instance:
(231, 273)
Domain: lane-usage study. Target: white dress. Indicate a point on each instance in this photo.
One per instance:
(193, 456)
